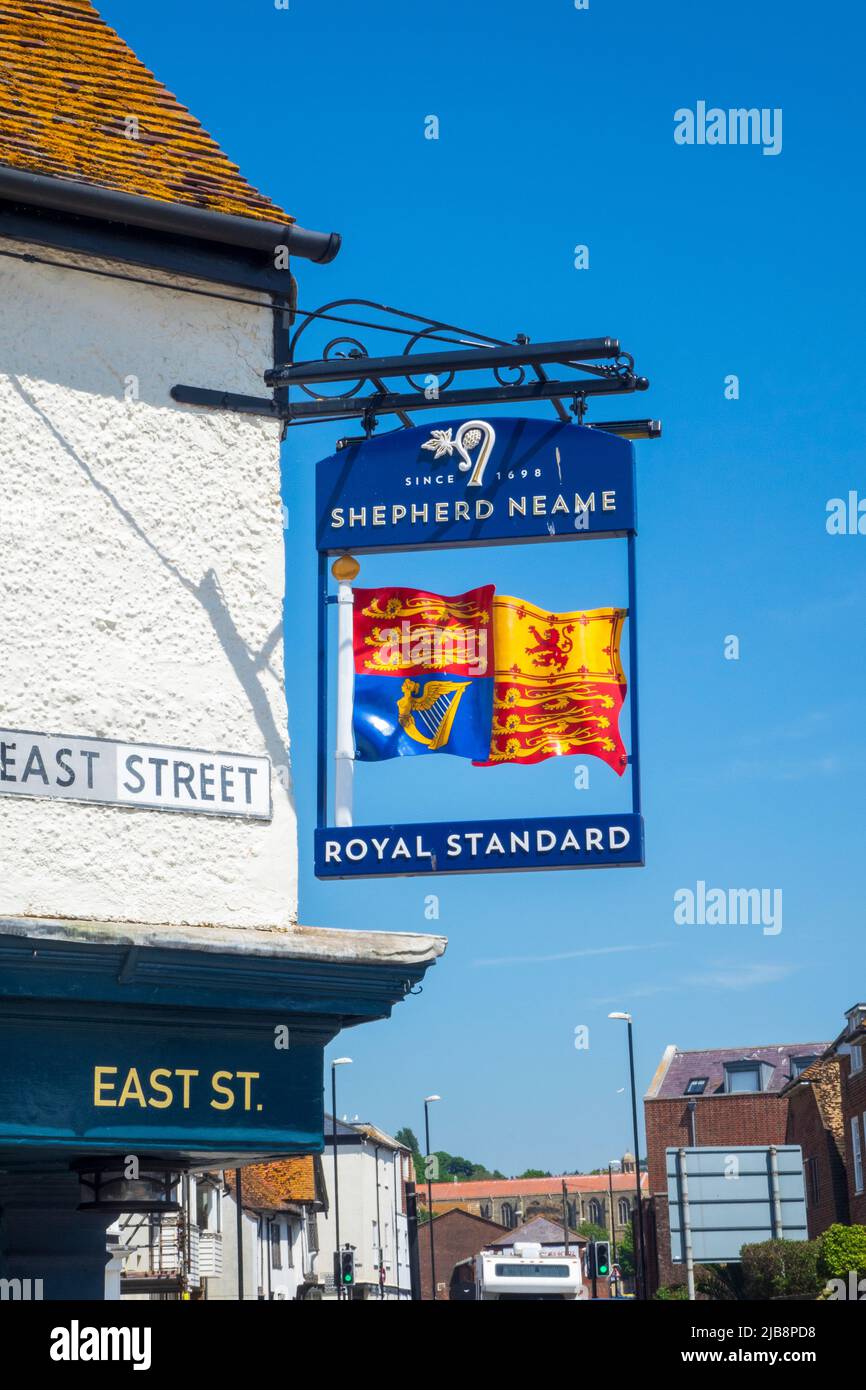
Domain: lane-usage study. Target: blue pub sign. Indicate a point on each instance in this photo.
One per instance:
(472, 483)
(521, 480)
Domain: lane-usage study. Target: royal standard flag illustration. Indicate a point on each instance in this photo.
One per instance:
(558, 684)
(423, 673)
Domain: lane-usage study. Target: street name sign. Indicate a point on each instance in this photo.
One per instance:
(113, 773)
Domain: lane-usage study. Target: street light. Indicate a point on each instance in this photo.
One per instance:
(337, 1062)
(610, 1167)
(640, 1263)
(428, 1101)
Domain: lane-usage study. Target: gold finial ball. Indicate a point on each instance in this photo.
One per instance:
(345, 568)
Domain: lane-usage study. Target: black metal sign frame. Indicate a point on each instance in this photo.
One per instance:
(517, 372)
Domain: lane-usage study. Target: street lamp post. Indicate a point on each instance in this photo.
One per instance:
(337, 1062)
(640, 1262)
(612, 1221)
(428, 1101)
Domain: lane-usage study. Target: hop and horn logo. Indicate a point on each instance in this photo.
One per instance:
(472, 434)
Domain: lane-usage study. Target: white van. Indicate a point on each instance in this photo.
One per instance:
(529, 1273)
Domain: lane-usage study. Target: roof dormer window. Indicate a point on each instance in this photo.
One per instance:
(743, 1077)
(856, 1019)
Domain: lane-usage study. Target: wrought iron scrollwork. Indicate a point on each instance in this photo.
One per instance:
(523, 375)
(408, 362)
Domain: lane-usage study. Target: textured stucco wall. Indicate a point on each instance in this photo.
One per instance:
(141, 591)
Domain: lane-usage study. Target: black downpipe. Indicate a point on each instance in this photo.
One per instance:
(240, 1231)
(412, 1229)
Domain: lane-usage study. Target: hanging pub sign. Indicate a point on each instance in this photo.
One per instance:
(476, 482)
(483, 675)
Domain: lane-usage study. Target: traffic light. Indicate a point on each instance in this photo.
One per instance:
(601, 1258)
(347, 1267)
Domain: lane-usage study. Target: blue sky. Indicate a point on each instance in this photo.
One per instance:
(556, 129)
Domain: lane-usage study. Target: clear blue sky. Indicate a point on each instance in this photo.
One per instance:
(556, 128)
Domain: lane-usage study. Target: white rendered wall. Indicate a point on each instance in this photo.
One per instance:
(358, 1173)
(141, 590)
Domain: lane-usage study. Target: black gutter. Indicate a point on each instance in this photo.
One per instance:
(172, 219)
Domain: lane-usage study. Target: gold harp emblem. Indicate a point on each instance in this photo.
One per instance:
(428, 717)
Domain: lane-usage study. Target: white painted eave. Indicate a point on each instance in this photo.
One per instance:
(296, 943)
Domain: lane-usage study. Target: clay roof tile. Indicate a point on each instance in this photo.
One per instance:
(76, 103)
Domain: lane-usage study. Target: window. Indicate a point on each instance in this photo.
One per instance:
(697, 1086)
(624, 1209)
(812, 1185)
(858, 1154)
(507, 1216)
(275, 1231)
(525, 1271)
(594, 1212)
(856, 1019)
(485, 1210)
(742, 1076)
(312, 1232)
(290, 1248)
(856, 1058)
(799, 1065)
(207, 1206)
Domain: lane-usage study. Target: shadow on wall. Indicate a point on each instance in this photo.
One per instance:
(247, 664)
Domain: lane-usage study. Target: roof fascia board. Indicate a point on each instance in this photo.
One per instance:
(207, 261)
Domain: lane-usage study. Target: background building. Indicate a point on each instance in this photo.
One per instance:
(511, 1202)
(816, 1122)
(552, 1238)
(712, 1097)
(194, 1252)
(849, 1050)
(458, 1235)
(373, 1170)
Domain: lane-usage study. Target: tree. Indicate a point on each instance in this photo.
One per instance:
(448, 1167)
(453, 1166)
(721, 1283)
(534, 1173)
(592, 1232)
(625, 1252)
(842, 1251)
(775, 1268)
(407, 1138)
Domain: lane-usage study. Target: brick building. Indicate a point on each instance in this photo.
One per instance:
(513, 1201)
(711, 1097)
(850, 1049)
(550, 1235)
(458, 1235)
(816, 1123)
